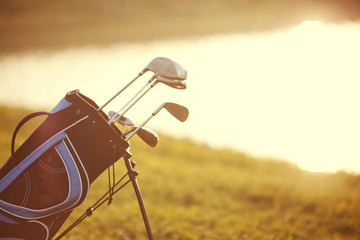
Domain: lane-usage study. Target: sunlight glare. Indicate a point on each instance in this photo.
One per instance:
(290, 95)
(309, 27)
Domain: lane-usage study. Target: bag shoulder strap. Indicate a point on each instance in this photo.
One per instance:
(21, 123)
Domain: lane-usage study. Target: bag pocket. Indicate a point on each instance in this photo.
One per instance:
(49, 180)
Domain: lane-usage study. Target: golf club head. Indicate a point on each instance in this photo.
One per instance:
(122, 120)
(172, 83)
(148, 136)
(167, 68)
(180, 112)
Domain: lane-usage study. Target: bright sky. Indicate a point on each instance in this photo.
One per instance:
(290, 94)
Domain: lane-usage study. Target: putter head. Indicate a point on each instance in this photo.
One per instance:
(123, 120)
(172, 83)
(180, 112)
(167, 68)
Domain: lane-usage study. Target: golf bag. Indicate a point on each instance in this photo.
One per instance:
(50, 173)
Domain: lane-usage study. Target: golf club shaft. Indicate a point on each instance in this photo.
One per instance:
(117, 94)
(171, 83)
(116, 116)
(133, 103)
(128, 131)
(146, 121)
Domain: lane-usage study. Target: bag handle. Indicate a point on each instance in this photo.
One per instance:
(21, 123)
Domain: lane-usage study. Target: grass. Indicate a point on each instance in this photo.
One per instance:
(194, 192)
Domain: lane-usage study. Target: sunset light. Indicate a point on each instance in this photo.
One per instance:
(243, 118)
(309, 27)
(295, 91)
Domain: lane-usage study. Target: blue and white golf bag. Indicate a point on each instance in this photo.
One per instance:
(50, 173)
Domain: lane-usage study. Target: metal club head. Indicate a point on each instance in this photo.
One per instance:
(161, 66)
(169, 82)
(146, 134)
(167, 68)
(122, 120)
(180, 112)
(172, 83)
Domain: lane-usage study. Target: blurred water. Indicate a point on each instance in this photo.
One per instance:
(289, 94)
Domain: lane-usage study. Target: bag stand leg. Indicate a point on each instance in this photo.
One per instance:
(132, 176)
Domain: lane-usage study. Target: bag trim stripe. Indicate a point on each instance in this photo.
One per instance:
(6, 219)
(74, 196)
(15, 172)
(27, 188)
(74, 193)
(44, 225)
(82, 165)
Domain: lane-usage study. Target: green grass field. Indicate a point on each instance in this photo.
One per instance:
(194, 192)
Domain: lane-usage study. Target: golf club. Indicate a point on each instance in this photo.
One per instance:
(180, 112)
(123, 120)
(147, 135)
(166, 67)
(161, 66)
(172, 83)
(169, 82)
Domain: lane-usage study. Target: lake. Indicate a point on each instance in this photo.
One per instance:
(291, 94)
